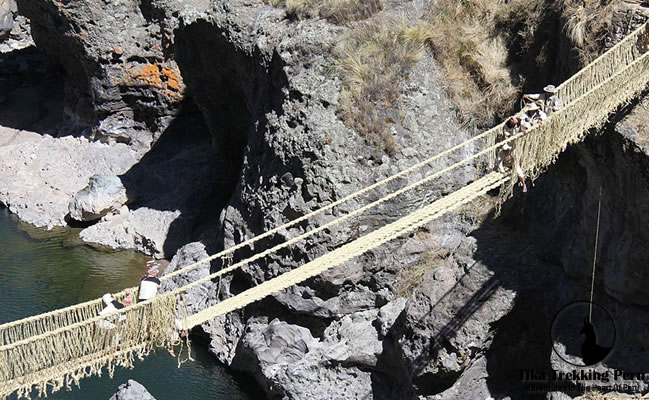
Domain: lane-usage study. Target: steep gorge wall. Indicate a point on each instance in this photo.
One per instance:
(121, 78)
(265, 90)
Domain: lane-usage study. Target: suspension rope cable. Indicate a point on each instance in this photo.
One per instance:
(592, 280)
(276, 230)
(348, 251)
(476, 155)
(486, 150)
(233, 248)
(27, 357)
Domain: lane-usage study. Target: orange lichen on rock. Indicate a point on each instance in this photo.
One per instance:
(159, 76)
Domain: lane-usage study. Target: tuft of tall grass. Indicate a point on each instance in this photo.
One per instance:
(469, 40)
(586, 24)
(335, 11)
(372, 60)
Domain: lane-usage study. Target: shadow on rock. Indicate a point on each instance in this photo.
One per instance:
(181, 176)
(172, 185)
(31, 91)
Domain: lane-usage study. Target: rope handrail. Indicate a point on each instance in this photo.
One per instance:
(397, 228)
(18, 349)
(75, 371)
(390, 196)
(620, 55)
(590, 110)
(350, 250)
(257, 256)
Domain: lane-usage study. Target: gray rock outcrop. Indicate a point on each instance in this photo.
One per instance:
(132, 390)
(290, 360)
(472, 384)
(7, 10)
(122, 79)
(104, 194)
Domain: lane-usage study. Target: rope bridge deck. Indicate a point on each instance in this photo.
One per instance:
(58, 348)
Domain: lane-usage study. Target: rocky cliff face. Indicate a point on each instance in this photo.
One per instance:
(122, 80)
(229, 112)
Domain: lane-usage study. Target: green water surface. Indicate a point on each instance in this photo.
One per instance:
(56, 270)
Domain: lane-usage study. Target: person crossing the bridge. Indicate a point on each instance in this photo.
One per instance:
(150, 283)
(112, 305)
(533, 116)
(505, 155)
(548, 100)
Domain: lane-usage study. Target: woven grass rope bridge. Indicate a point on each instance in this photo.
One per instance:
(58, 348)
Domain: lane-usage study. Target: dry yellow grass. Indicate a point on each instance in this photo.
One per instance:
(474, 42)
(336, 11)
(372, 60)
(586, 24)
(469, 39)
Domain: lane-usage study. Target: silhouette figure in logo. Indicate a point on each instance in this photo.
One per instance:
(591, 352)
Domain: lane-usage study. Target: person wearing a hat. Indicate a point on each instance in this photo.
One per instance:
(505, 154)
(511, 128)
(549, 99)
(533, 115)
(149, 284)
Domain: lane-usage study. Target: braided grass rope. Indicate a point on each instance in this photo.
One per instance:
(68, 330)
(353, 249)
(570, 124)
(69, 374)
(141, 327)
(606, 65)
(165, 305)
(35, 325)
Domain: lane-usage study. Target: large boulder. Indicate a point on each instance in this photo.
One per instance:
(56, 169)
(291, 363)
(132, 390)
(104, 194)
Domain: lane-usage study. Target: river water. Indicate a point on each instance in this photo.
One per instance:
(57, 270)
